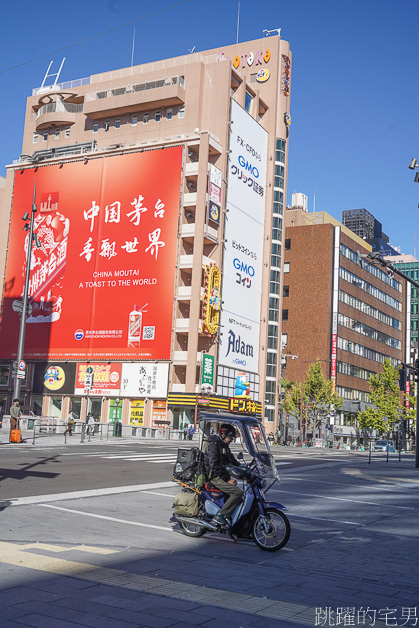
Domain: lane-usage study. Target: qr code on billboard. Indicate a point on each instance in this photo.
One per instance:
(148, 333)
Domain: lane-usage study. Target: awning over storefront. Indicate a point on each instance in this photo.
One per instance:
(217, 402)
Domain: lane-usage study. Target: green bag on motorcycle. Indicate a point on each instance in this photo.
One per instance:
(186, 504)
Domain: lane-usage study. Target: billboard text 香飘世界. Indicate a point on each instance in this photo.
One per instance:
(102, 282)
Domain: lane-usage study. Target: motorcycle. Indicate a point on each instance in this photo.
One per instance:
(255, 518)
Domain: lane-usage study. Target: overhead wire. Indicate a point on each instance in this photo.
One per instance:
(82, 41)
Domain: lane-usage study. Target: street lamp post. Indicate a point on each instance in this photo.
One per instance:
(22, 330)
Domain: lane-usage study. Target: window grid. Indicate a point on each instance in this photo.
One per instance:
(369, 288)
(368, 309)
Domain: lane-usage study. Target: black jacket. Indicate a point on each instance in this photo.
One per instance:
(216, 458)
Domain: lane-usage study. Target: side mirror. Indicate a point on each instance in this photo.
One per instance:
(240, 456)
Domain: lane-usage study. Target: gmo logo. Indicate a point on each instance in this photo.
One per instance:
(245, 268)
(248, 166)
(78, 334)
(238, 361)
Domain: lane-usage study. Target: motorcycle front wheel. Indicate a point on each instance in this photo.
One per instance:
(191, 529)
(277, 533)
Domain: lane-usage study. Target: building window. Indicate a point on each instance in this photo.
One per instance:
(157, 116)
(286, 291)
(95, 127)
(146, 117)
(169, 114)
(286, 267)
(67, 132)
(57, 134)
(284, 315)
(45, 136)
(182, 112)
(248, 99)
(134, 119)
(287, 244)
(35, 138)
(117, 123)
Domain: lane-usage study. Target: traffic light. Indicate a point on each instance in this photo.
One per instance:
(402, 379)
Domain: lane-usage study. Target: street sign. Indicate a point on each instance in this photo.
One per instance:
(22, 365)
(207, 372)
(17, 306)
(89, 369)
(88, 380)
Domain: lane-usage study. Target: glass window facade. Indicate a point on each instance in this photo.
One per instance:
(369, 288)
(352, 301)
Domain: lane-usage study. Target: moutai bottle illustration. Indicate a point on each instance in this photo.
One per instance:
(135, 322)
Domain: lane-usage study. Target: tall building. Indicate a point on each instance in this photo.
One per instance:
(160, 192)
(410, 266)
(349, 315)
(361, 222)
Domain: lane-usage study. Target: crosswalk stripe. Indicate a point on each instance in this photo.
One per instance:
(140, 456)
(152, 460)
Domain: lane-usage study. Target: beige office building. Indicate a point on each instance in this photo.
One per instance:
(228, 111)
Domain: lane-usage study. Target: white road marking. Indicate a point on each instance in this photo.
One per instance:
(89, 514)
(342, 499)
(160, 461)
(351, 523)
(57, 497)
(162, 494)
(389, 487)
(132, 456)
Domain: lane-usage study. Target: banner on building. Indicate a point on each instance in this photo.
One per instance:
(145, 379)
(159, 414)
(136, 417)
(106, 379)
(243, 249)
(54, 378)
(102, 282)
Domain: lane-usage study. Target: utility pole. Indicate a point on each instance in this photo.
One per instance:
(21, 343)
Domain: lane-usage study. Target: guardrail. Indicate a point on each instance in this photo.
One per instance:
(46, 426)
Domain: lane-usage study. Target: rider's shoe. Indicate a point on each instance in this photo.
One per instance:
(220, 519)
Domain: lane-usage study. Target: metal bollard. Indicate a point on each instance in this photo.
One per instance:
(369, 455)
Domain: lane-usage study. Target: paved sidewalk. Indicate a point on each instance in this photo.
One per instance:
(354, 563)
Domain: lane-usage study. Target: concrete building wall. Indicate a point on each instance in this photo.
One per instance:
(183, 100)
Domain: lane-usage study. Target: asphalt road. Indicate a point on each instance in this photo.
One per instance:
(88, 539)
(44, 469)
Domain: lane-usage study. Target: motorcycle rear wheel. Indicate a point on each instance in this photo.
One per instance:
(191, 529)
(277, 535)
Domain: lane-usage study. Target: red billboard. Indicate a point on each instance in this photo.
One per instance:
(102, 283)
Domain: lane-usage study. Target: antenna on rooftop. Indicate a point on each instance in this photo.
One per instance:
(133, 44)
(47, 75)
(238, 22)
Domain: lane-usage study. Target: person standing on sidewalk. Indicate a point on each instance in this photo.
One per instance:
(14, 415)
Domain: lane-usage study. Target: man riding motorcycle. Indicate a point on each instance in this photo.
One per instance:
(218, 455)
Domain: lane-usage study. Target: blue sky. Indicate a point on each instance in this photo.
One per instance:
(354, 96)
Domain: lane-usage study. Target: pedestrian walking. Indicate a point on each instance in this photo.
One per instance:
(90, 424)
(191, 432)
(185, 432)
(70, 424)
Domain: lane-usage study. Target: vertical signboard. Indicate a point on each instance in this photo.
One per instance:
(244, 233)
(102, 282)
(207, 373)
